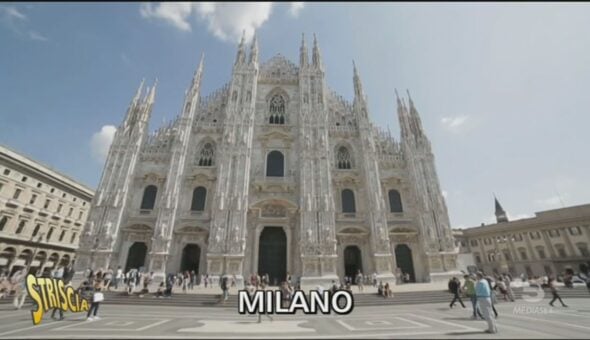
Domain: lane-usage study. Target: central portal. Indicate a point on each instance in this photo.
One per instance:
(272, 254)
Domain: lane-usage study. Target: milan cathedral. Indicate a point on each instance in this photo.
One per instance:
(274, 174)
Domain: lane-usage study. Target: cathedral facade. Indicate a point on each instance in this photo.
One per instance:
(275, 174)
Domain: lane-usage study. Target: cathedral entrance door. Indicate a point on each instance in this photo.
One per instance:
(352, 262)
(272, 254)
(403, 258)
(191, 255)
(136, 256)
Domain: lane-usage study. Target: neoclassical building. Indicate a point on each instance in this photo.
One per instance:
(42, 214)
(272, 173)
(548, 243)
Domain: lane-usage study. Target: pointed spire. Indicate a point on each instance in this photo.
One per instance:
(151, 97)
(316, 55)
(358, 86)
(138, 93)
(403, 119)
(198, 72)
(254, 50)
(303, 61)
(500, 213)
(415, 121)
(241, 56)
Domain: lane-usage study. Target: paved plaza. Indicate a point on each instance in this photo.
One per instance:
(516, 320)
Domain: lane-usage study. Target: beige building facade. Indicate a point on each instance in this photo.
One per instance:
(546, 244)
(42, 213)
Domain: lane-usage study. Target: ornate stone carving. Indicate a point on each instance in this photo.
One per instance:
(273, 210)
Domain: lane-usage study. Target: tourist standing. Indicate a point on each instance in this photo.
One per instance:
(483, 292)
(118, 277)
(224, 289)
(18, 281)
(97, 298)
(359, 280)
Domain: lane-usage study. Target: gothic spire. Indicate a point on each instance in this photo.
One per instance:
(241, 56)
(500, 213)
(138, 93)
(358, 86)
(402, 116)
(316, 55)
(415, 121)
(303, 61)
(254, 50)
(151, 96)
(196, 82)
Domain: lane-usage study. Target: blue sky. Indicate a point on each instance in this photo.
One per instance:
(503, 89)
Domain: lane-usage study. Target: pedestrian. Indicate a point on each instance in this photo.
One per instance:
(286, 293)
(97, 298)
(553, 289)
(454, 287)
(108, 278)
(224, 288)
(206, 280)
(469, 289)
(483, 292)
(251, 289)
(374, 279)
(492, 294)
(20, 291)
(57, 274)
(185, 281)
(507, 283)
(359, 280)
(118, 277)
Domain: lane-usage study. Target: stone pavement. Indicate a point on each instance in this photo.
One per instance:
(516, 320)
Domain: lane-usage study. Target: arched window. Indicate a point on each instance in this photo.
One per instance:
(3, 221)
(199, 198)
(348, 205)
(207, 155)
(343, 159)
(277, 110)
(275, 164)
(149, 197)
(395, 202)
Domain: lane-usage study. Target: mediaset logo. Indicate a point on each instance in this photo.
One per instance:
(53, 293)
(270, 302)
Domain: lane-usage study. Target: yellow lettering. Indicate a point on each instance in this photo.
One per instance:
(84, 306)
(41, 283)
(70, 295)
(34, 294)
(51, 293)
(63, 303)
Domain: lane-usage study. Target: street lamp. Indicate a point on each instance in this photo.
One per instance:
(39, 239)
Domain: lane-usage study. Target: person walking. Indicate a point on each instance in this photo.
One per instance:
(484, 300)
(469, 289)
(492, 294)
(507, 282)
(57, 274)
(553, 289)
(19, 285)
(454, 287)
(251, 289)
(108, 278)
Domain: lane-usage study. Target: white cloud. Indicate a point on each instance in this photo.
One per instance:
(37, 36)
(295, 8)
(101, 142)
(16, 21)
(226, 21)
(454, 123)
(11, 13)
(175, 13)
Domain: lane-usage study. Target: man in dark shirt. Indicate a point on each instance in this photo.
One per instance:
(454, 286)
